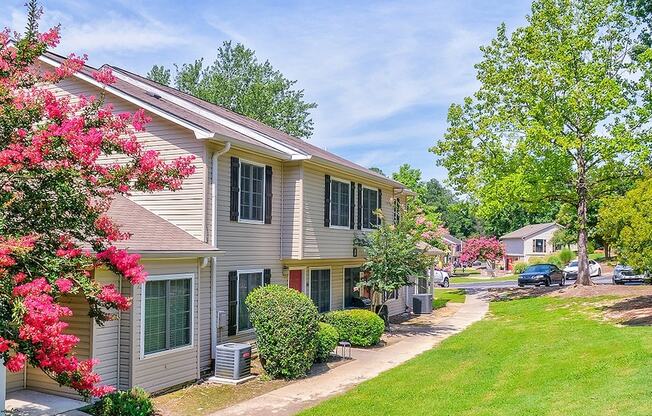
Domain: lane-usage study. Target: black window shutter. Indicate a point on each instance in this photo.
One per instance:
(268, 194)
(267, 277)
(327, 201)
(352, 207)
(359, 206)
(233, 303)
(235, 188)
(534, 246)
(380, 206)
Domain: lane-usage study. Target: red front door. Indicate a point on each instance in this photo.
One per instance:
(296, 280)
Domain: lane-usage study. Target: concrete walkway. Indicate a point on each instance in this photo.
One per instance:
(367, 364)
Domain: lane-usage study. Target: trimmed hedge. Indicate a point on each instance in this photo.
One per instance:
(360, 327)
(327, 338)
(134, 402)
(519, 267)
(286, 323)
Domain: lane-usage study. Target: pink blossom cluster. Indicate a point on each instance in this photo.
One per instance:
(124, 263)
(482, 248)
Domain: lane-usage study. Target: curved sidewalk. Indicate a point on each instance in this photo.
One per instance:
(305, 393)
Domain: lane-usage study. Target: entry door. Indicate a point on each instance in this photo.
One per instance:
(351, 279)
(296, 280)
(320, 289)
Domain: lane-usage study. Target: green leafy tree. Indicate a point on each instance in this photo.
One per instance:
(626, 219)
(561, 115)
(160, 74)
(377, 170)
(238, 81)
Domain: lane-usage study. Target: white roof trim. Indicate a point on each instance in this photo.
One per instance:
(263, 138)
(200, 133)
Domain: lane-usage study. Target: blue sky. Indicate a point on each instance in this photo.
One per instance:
(383, 72)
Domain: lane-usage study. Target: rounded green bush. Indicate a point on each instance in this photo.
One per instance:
(327, 338)
(360, 327)
(134, 402)
(519, 267)
(286, 324)
(554, 259)
(566, 255)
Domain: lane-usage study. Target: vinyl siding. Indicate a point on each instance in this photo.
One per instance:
(545, 235)
(15, 381)
(292, 201)
(325, 242)
(245, 245)
(80, 325)
(205, 318)
(173, 367)
(397, 306)
(183, 208)
(514, 246)
(106, 338)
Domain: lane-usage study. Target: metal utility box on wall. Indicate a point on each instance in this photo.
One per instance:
(233, 362)
(422, 304)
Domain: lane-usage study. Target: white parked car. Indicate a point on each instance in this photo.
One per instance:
(570, 271)
(441, 278)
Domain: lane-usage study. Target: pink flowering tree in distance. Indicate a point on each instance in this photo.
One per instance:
(488, 249)
(54, 195)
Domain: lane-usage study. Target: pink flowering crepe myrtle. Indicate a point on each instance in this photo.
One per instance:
(54, 194)
(489, 249)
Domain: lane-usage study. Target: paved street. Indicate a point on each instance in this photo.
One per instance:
(605, 279)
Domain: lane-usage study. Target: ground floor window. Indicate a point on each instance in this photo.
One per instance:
(247, 281)
(351, 279)
(320, 289)
(167, 304)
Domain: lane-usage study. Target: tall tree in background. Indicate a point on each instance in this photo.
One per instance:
(239, 82)
(562, 112)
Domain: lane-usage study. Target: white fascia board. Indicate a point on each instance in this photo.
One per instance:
(200, 133)
(263, 138)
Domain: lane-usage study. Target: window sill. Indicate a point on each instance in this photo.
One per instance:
(166, 352)
(242, 221)
(245, 332)
(340, 227)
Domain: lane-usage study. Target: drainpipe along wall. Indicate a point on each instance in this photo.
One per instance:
(214, 176)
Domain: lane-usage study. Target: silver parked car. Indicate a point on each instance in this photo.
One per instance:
(626, 274)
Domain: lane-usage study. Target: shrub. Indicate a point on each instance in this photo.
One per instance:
(553, 259)
(536, 260)
(286, 323)
(134, 402)
(566, 255)
(327, 338)
(590, 247)
(519, 267)
(360, 327)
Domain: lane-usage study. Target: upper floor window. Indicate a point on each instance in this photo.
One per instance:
(369, 206)
(340, 203)
(167, 305)
(252, 191)
(539, 245)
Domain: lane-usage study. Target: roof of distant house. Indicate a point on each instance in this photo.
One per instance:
(452, 239)
(151, 235)
(529, 230)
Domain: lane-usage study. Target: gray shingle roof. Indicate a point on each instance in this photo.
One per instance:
(528, 230)
(152, 235)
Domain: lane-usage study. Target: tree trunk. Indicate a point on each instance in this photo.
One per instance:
(583, 273)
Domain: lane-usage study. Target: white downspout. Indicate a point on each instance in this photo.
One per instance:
(214, 176)
(3, 386)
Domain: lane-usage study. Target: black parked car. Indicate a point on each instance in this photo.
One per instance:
(541, 274)
(625, 274)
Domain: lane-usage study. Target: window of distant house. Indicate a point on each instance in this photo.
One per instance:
(369, 206)
(247, 281)
(340, 203)
(168, 313)
(252, 191)
(539, 245)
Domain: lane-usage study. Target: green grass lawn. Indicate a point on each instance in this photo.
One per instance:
(538, 356)
(443, 296)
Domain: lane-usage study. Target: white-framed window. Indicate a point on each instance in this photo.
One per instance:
(248, 280)
(539, 245)
(320, 289)
(167, 313)
(252, 192)
(340, 204)
(369, 206)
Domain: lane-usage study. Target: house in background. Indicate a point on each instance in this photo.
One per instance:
(454, 246)
(533, 240)
(261, 208)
